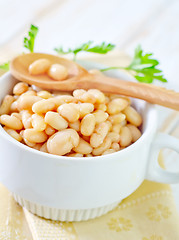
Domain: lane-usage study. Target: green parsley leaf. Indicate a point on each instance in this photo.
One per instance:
(144, 61)
(5, 66)
(103, 48)
(30, 40)
(143, 67)
(63, 52)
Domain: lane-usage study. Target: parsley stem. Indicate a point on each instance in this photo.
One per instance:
(74, 57)
(110, 68)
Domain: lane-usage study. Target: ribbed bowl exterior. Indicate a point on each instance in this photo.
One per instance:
(64, 215)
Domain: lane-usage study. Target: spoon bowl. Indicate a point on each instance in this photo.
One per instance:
(19, 69)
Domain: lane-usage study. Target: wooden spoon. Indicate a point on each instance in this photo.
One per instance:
(80, 78)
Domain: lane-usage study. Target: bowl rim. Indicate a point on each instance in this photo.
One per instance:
(150, 128)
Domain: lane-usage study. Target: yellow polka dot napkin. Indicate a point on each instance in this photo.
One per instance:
(148, 214)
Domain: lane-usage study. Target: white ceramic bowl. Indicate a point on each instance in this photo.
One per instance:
(76, 189)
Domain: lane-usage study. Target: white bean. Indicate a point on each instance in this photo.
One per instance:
(69, 111)
(59, 100)
(55, 120)
(37, 146)
(85, 108)
(117, 118)
(96, 140)
(49, 130)
(44, 148)
(62, 142)
(117, 105)
(75, 155)
(29, 144)
(125, 137)
(38, 122)
(114, 136)
(30, 92)
(44, 94)
(88, 125)
(100, 116)
(136, 133)
(39, 66)
(43, 106)
(20, 88)
(123, 123)
(103, 147)
(34, 136)
(13, 134)
(115, 146)
(75, 125)
(84, 96)
(14, 106)
(17, 115)
(58, 72)
(26, 102)
(102, 129)
(108, 151)
(99, 96)
(11, 122)
(5, 107)
(101, 106)
(116, 128)
(83, 147)
(133, 116)
(26, 118)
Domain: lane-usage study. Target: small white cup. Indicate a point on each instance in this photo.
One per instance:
(76, 189)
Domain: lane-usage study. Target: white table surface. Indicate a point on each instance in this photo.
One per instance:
(153, 24)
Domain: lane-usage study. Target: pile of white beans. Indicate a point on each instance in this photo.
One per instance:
(82, 124)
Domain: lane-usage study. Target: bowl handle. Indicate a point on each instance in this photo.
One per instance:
(154, 171)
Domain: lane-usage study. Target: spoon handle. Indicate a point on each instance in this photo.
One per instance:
(147, 92)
